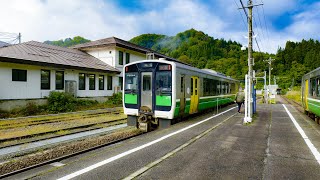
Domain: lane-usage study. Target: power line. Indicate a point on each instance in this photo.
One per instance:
(244, 24)
(265, 23)
(248, 18)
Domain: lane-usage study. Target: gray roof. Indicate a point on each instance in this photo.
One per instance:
(113, 41)
(36, 53)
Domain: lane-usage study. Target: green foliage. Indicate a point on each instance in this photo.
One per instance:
(202, 51)
(147, 40)
(68, 41)
(61, 102)
(115, 99)
(30, 109)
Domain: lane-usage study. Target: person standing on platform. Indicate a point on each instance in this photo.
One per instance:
(239, 99)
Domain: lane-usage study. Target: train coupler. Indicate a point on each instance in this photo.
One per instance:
(144, 124)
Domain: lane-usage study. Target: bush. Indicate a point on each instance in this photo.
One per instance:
(85, 102)
(61, 102)
(30, 109)
(115, 99)
(4, 114)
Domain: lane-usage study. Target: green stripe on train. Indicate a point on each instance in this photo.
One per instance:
(314, 106)
(163, 100)
(204, 104)
(131, 99)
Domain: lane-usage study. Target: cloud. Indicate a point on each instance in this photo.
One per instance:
(42, 20)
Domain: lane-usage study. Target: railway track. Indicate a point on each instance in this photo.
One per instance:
(295, 104)
(9, 125)
(74, 130)
(8, 174)
(301, 109)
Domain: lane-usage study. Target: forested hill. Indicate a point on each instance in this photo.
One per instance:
(68, 41)
(296, 59)
(200, 50)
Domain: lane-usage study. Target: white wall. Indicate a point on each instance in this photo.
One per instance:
(110, 55)
(31, 89)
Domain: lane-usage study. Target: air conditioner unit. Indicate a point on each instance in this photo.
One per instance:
(71, 87)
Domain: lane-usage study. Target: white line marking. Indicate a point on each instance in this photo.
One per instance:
(57, 164)
(106, 161)
(149, 166)
(313, 149)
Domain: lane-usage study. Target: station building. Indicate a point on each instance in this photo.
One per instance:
(30, 70)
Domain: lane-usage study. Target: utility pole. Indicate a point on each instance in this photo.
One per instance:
(249, 87)
(19, 37)
(269, 61)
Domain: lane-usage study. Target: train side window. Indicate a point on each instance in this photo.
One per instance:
(191, 86)
(181, 81)
(196, 86)
(204, 86)
(313, 87)
(318, 85)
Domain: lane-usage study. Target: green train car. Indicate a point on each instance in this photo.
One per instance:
(310, 92)
(156, 92)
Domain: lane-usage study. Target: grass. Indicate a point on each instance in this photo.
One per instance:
(56, 126)
(294, 95)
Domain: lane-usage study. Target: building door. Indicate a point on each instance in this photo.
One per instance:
(194, 95)
(146, 89)
(182, 95)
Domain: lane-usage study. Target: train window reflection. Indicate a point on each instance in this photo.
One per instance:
(163, 81)
(131, 81)
(146, 83)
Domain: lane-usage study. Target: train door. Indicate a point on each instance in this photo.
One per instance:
(194, 95)
(306, 92)
(183, 95)
(146, 89)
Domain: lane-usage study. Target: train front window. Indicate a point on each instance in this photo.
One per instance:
(131, 81)
(163, 81)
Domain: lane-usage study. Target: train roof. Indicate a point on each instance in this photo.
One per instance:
(184, 66)
(318, 69)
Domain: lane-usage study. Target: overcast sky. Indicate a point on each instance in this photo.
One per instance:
(274, 23)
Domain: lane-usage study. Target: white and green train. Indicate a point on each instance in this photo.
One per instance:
(310, 93)
(156, 92)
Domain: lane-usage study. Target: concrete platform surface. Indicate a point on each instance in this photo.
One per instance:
(209, 146)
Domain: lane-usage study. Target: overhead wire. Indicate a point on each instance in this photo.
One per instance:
(265, 23)
(10, 38)
(248, 18)
(245, 25)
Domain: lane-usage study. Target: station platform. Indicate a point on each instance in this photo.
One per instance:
(280, 143)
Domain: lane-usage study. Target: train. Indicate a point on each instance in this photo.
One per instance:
(310, 93)
(157, 92)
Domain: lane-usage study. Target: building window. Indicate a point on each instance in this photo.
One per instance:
(120, 58)
(82, 81)
(101, 82)
(45, 79)
(120, 82)
(109, 83)
(127, 58)
(92, 81)
(59, 80)
(19, 75)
